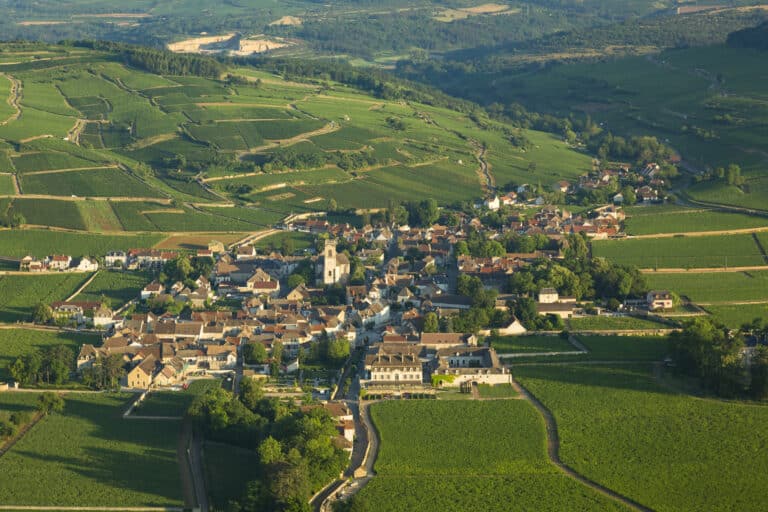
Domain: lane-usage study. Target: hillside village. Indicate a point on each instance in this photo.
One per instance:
(388, 293)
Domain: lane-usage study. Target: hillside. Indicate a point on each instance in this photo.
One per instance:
(88, 143)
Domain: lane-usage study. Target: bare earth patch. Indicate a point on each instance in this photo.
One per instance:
(448, 15)
(280, 197)
(248, 46)
(40, 23)
(313, 200)
(287, 20)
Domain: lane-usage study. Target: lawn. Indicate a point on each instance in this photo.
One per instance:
(174, 403)
(91, 456)
(531, 344)
(682, 252)
(668, 452)
(17, 342)
(467, 455)
(20, 293)
(114, 286)
(613, 323)
(41, 243)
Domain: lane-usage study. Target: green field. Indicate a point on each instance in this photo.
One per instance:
(299, 241)
(116, 287)
(468, 455)
(529, 344)
(6, 185)
(613, 323)
(666, 451)
(682, 252)
(19, 294)
(40, 243)
(611, 348)
(107, 182)
(706, 288)
(91, 456)
(652, 220)
(735, 316)
(496, 391)
(50, 212)
(17, 342)
(174, 403)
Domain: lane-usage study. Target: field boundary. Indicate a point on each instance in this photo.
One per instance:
(553, 452)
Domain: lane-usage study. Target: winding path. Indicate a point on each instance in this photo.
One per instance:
(553, 452)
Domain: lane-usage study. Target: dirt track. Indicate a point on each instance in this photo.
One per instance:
(746, 231)
(711, 270)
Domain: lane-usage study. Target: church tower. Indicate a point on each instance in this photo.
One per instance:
(329, 263)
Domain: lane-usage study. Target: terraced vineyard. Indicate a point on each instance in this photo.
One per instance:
(90, 128)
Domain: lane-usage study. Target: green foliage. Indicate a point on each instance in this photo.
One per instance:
(619, 427)
(39, 243)
(465, 457)
(19, 294)
(94, 456)
(49, 402)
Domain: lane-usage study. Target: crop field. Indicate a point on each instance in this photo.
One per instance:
(299, 241)
(666, 451)
(726, 287)
(139, 216)
(611, 348)
(116, 287)
(18, 342)
(263, 181)
(99, 216)
(496, 391)
(736, 316)
(6, 185)
(50, 212)
(20, 293)
(49, 160)
(652, 220)
(610, 323)
(467, 457)
(174, 403)
(682, 252)
(91, 456)
(531, 344)
(108, 182)
(41, 243)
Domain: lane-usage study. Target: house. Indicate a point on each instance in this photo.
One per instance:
(659, 299)
(78, 312)
(116, 259)
(462, 366)
(153, 289)
(561, 186)
(87, 265)
(492, 203)
(438, 340)
(393, 364)
(32, 264)
(548, 296)
(58, 262)
(103, 317)
(141, 376)
(245, 252)
(332, 267)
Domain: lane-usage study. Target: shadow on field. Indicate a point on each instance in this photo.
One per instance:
(96, 443)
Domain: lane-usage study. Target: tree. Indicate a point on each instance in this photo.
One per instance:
(42, 313)
(251, 392)
(255, 353)
(431, 322)
(332, 205)
(50, 402)
(759, 372)
(629, 195)
(295, 280)
(270, 451)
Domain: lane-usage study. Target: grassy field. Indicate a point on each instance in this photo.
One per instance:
(613, 323)
(174, 403)
(41, 243)
(467, 457)
(300, 241)
(682, 252)
(17, 342)
(19, 294)
(665, 451)
(727, 287)
(735, 316)
(91, 456)
(527, 344)
(116, 287)
(6, 185)
(652, 220)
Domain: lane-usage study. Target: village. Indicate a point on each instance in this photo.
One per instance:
(390, 298)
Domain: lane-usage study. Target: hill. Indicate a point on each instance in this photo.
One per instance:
(91, 143)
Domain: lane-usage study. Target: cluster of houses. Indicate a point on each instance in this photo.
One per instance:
(58, 263)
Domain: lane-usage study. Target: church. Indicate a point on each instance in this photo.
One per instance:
(332, 267)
